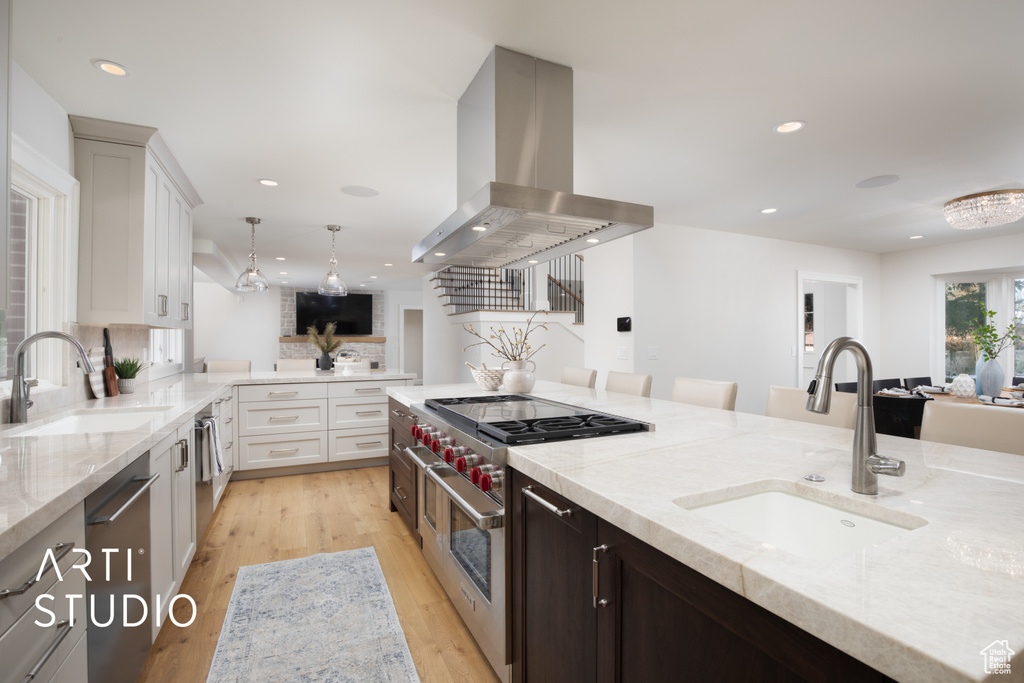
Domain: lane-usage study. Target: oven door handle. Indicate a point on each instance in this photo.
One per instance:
(420, 462)
(493, 519)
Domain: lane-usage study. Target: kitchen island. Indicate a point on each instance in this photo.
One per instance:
(919, 607)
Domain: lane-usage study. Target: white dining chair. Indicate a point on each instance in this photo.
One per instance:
(790, 403)
(628, 383)
(295, 364)
(994, 428)
(580, 377)
(229, 366)
(705, 392)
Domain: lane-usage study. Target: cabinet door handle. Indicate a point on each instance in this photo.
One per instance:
(368, 412)
(368, 443)
(63, 629)
(281, 393)
(184, 442)
(528, 492)
(597, 567)
(284, 450)
(60, 550)
(184, 308)
(161, 305)
(181, 455)
(287, 418)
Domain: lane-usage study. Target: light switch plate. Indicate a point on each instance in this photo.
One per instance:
(652, 353)
(622, 353)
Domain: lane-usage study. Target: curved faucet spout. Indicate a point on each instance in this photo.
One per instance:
(20, 387)
(867, 464)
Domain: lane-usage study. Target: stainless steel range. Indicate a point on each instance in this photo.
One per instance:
(461, 454)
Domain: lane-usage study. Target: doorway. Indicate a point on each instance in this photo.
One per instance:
(828, 306)
(411, 341)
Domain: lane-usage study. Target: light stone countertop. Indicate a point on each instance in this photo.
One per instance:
(919, 607)
(42, 477)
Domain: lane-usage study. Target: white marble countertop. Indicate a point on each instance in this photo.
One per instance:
(920, 607)
(42, 477)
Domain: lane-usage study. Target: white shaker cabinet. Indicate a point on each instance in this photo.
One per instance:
(183, 493)
(135, 232)
(161, 527)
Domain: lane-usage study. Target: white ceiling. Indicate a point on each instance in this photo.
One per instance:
(675, 104)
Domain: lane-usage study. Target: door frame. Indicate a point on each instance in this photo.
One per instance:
(856, 327)
(401, 333)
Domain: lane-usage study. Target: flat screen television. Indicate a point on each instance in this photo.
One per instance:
(353, 314)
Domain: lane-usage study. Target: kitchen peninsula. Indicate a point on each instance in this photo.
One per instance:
(919, 607)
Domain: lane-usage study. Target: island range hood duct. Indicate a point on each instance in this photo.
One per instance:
(515, 174)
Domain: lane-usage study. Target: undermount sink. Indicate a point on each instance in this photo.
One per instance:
(89, 421)
(780, 515)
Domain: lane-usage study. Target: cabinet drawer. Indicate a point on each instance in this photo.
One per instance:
(282, 417)
(400, 461)
(365, 389)
(403, 495)
(356, 412)
(358, 444)
(23, 564)
(25, 644)
(75, 668)
(257, 452)
(281, 392)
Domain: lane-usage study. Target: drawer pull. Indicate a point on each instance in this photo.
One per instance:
(284, 450)
(528, 492)
(60, 550)
(368, 412)
(398, 490)
(282, 393)
(229, 420)
(63, 629)
(218, 401)
(288, 418)
(228, 399)
(230, 443)
(399, 414)
(369, 443)
(375, 390)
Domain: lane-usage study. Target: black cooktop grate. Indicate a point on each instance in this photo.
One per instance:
(559, 428)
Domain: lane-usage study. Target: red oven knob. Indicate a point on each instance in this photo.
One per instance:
(416, 432)
(486, 483)
(449, 454)
(460, 464)
(474, 475)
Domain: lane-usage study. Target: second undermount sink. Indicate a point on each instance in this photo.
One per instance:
(780, 515)
(90, 421)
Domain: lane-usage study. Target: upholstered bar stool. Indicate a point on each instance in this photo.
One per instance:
(294, 364)
(705, 392)
(628, 383)
(580, 377)
(791, 404)
(994, 428)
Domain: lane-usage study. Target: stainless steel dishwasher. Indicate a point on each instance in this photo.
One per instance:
(117, 527)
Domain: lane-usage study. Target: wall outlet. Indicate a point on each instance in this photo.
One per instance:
(652, 353)
(622, 353)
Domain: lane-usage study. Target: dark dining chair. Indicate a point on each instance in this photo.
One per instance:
(912, 382)
(880, 384)
(847, 387)
(1017, 380)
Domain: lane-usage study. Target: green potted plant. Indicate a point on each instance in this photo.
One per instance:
(327, 344)
(990, 343)
(127, 370)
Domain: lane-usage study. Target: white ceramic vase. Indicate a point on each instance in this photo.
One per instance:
(990, 378)
(962, 386)
(518, 380)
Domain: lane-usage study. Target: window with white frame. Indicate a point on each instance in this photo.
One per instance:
(967, 299)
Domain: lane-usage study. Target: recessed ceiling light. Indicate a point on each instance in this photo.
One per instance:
(361, 284)
(532, 261)
(440, 253)
(359, 191)
(481, 228)
(280, 258)
(917, 237)
(389, 264)
(112, 68)
(284, 282)
(593, 240)
(877, 181)
(268, 182)
(282, 273)
(790, 126)
(768, 210)
(373, 277)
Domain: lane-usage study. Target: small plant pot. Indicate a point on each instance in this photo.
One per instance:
(126, 386)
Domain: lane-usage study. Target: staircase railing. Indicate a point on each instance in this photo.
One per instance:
(565, 285)
(464, 289)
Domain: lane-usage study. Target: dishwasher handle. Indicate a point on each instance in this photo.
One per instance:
(110, 519)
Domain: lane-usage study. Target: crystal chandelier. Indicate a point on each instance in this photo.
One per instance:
(985, 209)
(332, 284)
(251, 279)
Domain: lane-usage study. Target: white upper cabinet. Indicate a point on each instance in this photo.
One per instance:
(135, 233)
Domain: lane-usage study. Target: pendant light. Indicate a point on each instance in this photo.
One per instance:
(332, 284)
(252, 280)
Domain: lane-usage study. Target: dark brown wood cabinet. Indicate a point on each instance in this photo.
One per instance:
(401, 470)
(655, 619)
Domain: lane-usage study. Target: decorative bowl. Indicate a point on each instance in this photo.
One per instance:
(489, 380)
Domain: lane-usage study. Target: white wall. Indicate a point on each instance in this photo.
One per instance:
(394, 300)
(608, 294)
(912, 318)
(412, 342)
(723, 306)
(226, 328)
(37, 119)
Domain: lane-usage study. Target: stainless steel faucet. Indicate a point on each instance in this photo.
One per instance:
(20, 402)
(867, 464)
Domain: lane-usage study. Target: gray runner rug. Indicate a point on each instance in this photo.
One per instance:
(328, 617)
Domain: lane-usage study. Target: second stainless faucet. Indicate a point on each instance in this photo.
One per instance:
(867, 464)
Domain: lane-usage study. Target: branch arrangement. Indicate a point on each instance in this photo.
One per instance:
(988, 339)
(327, 343)
(514, 346)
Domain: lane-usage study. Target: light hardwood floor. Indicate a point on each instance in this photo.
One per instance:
(281, 518)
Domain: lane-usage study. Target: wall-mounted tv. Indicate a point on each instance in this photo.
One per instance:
(353, 314)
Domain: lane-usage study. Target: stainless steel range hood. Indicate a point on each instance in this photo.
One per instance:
(515, 174)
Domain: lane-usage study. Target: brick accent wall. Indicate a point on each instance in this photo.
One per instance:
(13, 331)
(368, 351)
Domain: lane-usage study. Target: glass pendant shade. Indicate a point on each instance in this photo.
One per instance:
(985, 209)
(332, 284)
(251, 279)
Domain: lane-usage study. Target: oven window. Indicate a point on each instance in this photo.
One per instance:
(430, 502)
(471, 548)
